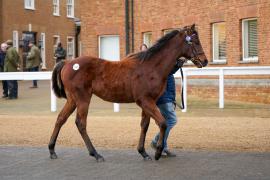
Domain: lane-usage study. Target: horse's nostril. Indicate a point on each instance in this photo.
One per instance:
(205, 62)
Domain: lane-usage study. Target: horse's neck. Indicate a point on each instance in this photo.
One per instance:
(165, 60)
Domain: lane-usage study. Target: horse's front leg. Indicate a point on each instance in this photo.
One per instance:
(150, 108)
(81, 118)
(144, 127)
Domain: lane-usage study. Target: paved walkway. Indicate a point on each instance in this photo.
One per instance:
(33, 163)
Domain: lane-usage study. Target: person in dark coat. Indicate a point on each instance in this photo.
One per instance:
(33, 61)
(60, 53)
(3, 50)
(166, 105)
(12, 63)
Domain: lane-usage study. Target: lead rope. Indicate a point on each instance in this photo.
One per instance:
(182, 89)
(182, 105)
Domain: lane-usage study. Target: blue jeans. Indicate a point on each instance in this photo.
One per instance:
(168, 112)
(34, 69)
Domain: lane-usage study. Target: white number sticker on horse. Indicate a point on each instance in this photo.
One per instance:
(76, 66)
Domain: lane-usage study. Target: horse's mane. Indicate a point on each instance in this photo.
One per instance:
(145, 55)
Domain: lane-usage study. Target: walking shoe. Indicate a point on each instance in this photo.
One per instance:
(33, 87)
(4, 96)
(153, 145)
(9, 98)
(169, 153)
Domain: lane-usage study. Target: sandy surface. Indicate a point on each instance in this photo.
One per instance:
(28, 122)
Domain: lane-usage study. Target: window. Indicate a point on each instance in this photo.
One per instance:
(56, 40)
(250, 40)
(43, 49)
(70, 8)
(29, 4)
(56, 8)
(219, 42)
(147, 39)
(15, 40)
(70, 48)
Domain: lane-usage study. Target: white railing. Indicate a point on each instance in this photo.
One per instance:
(220, 71)
(31, 76)
(212, 71)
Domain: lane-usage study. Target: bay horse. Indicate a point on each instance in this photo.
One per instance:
(139, 77)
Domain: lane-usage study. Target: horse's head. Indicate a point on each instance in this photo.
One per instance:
(192, 47)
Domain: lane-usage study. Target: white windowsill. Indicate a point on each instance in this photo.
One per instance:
(250, 60)
(56, 15)
(30, 8)
(221, 61)
(71, 17)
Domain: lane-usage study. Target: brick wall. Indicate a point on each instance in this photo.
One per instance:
(236, 93)
(108, 17)
(104, 17)
(16, 17)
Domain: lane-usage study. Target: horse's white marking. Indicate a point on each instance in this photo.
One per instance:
(76, 66)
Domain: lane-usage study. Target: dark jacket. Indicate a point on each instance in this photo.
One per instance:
(12, 60)
(33, 58)
(169, 94)
(60, 53)
(2, 60)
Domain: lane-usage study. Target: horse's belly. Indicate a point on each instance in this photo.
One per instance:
(114, 95)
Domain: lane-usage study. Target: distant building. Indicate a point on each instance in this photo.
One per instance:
(45, 22)
(232, 33)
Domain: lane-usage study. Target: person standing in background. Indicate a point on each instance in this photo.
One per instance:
(3, 50)
(33, 61)
(12, 64)
(60, 53)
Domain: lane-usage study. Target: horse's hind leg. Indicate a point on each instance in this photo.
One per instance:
(61, 119)
(144, 127)
(150, 108)
(81, 122)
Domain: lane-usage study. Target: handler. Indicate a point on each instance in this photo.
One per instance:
(166, 104)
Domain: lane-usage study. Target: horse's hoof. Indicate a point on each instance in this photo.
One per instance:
(53, 156)
(157, 155)
(100, 159)
(147, 158)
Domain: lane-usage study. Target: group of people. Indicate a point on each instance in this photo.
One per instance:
(10, 62)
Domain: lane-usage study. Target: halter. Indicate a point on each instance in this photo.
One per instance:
(195, 58)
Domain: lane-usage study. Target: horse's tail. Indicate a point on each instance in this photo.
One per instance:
(57, 84)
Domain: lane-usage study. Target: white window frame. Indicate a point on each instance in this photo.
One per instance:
(43, 50)
(145, 40)
(99, 43)
(73, 47)
(56, 8)
(58, 40)
(15, 39)
(29, 4)
(245, 42)
(215, 44)
(70, 3)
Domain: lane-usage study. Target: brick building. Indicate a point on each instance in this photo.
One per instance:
(45, 22)
(232, 33)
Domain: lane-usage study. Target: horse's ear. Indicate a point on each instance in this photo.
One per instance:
(193, 27)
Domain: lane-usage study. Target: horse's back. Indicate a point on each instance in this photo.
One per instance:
(111, 81)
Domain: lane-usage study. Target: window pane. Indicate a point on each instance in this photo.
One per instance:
(252, 38)
(219, 41)
(147, 39)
